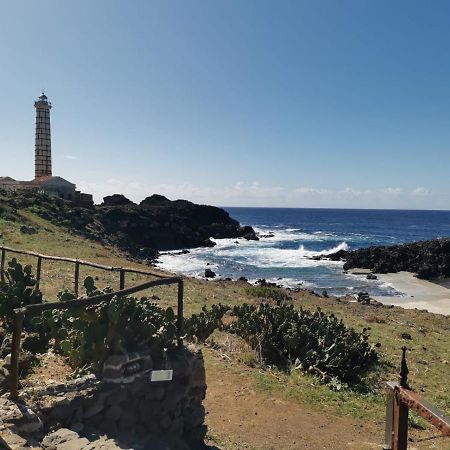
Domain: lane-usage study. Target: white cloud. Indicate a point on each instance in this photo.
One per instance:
(70, 157)
(252, 190)
(421, 191)
(258, 194)
(392, 190)
(310, 190)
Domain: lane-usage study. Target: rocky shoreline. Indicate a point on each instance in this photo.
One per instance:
(142, 230)
(428, 259)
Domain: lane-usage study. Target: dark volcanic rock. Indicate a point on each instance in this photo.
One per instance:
(155, 200)
(249, 233)
(28, 230)
(157, 223)
(209, 273)
(364, 298)
(428, 259)
(338, 256)
(116, 199)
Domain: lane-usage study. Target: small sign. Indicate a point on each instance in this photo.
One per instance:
(161, 375)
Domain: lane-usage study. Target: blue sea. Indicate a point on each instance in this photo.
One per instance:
(296, 235)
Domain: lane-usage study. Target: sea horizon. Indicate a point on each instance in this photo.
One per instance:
(291, 238)
(329, 208)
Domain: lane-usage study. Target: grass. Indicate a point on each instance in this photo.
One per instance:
(308, 390)
(267, 292)
(429, 346)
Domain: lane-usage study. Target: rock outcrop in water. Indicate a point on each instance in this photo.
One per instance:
(157, 223)
(428, 259)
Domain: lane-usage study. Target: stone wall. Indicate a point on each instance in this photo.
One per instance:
(142, 414)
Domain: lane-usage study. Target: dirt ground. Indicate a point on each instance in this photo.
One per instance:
(239, 416)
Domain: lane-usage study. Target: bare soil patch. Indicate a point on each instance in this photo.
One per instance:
(239, 416)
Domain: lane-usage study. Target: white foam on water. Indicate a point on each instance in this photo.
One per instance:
(312, 253)
(248, 253)
(277, 258)
(292, 234)
(390, 289)
(187, 264)
(383, 288)
(291, 283)
(237, 257)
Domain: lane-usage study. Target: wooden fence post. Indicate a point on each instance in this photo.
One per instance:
(122, 279)
(388, 434)
(2, 265)
(400, 424)
(180, 321)
(15, 353)
(77, 277)
(400, 420)
(38, 273)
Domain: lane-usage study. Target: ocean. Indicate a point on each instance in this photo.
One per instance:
(294, 235)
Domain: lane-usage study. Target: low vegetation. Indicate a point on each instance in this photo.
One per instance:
(278, 295)
(87, 336)
(17, 290)
(315, 342)
(428, 334)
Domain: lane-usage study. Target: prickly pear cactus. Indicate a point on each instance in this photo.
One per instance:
(17, 290)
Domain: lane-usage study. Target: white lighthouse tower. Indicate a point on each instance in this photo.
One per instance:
(42, 147)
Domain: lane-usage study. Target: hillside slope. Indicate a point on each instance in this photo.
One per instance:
(141, 230)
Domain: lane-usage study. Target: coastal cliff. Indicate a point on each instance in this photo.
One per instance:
(142, 230)
(428, 259)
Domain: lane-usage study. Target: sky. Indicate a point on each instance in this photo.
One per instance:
(234, 103)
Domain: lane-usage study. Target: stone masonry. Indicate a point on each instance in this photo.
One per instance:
(88, 413)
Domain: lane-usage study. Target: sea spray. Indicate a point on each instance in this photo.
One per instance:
(291, 239)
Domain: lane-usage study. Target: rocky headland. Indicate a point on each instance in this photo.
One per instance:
(428, 259)
(142, 230)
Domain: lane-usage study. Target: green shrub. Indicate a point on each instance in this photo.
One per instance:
(315, 342)
(17, 290)
(280, 296)
(87, 335)
(201, 326)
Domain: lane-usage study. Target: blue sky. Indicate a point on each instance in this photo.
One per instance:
(241, 103)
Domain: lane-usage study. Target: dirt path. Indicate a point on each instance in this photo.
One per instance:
(241, 417)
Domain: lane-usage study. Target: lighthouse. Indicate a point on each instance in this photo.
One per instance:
(44, 181)
(42, 146)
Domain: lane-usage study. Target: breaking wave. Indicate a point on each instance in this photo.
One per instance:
(253, 254)
(311, 253)
(286, 255)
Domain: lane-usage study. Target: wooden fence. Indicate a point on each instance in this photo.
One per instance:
(77, 264)
(400, 398)
(30, 310)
